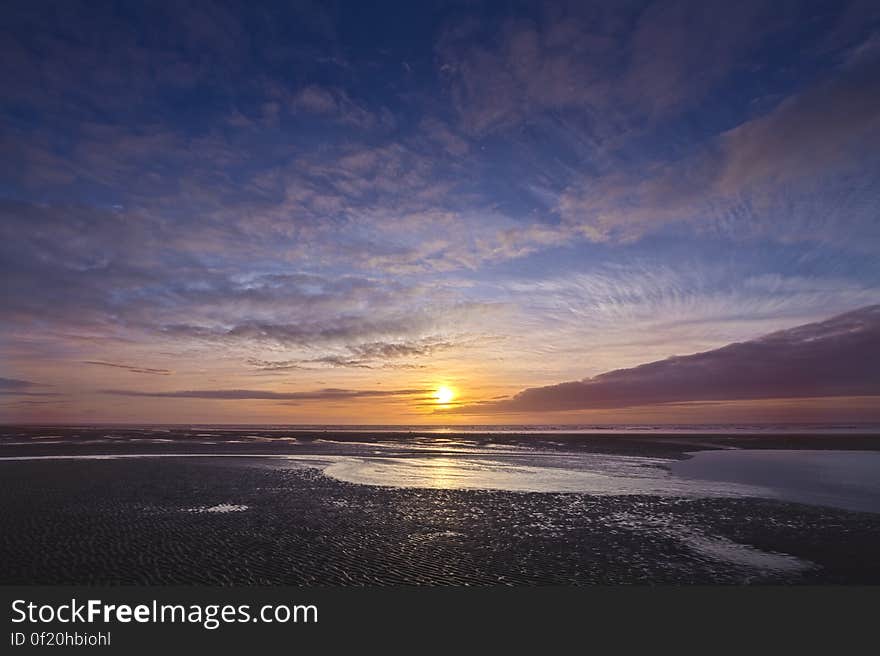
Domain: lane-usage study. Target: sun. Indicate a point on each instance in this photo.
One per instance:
(444, 394)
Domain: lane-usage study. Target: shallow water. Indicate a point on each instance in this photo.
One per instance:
(839, 479)
(583, 473)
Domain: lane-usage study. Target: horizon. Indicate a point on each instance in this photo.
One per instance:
(470, 214)
(741, 427)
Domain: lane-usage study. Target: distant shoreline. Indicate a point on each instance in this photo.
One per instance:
(775, 428)
(50, 440)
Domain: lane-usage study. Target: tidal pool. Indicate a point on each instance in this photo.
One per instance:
(839, 479)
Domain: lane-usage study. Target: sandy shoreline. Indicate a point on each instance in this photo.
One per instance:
(251, 520)
(28, 440)
(148, 521)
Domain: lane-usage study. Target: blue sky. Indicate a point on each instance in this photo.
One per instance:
(290, 198)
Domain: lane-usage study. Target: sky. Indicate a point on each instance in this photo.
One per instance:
(323, 213)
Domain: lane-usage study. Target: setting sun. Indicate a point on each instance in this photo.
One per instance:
(444, 394)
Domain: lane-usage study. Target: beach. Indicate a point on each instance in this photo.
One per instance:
(169, 506)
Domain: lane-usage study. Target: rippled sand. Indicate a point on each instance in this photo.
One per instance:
(250, 521)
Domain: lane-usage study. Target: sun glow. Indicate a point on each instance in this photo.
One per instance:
(444, 394)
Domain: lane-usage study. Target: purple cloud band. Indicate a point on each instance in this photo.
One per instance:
(832, 358)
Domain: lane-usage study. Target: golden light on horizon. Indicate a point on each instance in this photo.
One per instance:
(444, 394)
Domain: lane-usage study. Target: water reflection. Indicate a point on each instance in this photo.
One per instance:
(585, 473)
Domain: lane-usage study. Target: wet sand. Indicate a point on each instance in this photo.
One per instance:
(237, 520)
(49, 440)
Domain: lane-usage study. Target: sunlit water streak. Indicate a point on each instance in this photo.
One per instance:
(580, 473)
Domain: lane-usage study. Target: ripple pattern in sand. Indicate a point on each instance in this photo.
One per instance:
(120, 522)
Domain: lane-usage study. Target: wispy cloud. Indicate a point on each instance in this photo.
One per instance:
(746, 179)
(370, 355)
(15, 383)
(640, 59)
(336, 105)
(18, 387)
(328, 394)
(130, 368)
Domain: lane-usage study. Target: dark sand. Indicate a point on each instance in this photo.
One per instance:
(50, 440)
(161, 521)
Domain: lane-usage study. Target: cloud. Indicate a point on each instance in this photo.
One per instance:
(343, 362)
(755, 177)
(833, 358)
(275, 365)
(618, 64)
(335, 329)
(681, 48)
(328, 394)
(337, 105)
(331, 361)
(14, 384)
(131, 275)
(523, 69)
(18, 387)
(371, 355)
(316, 100)
(597, 88)
(356, 363)
(386, 350)
(808, 132)
(441, 134)
(130, 368)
